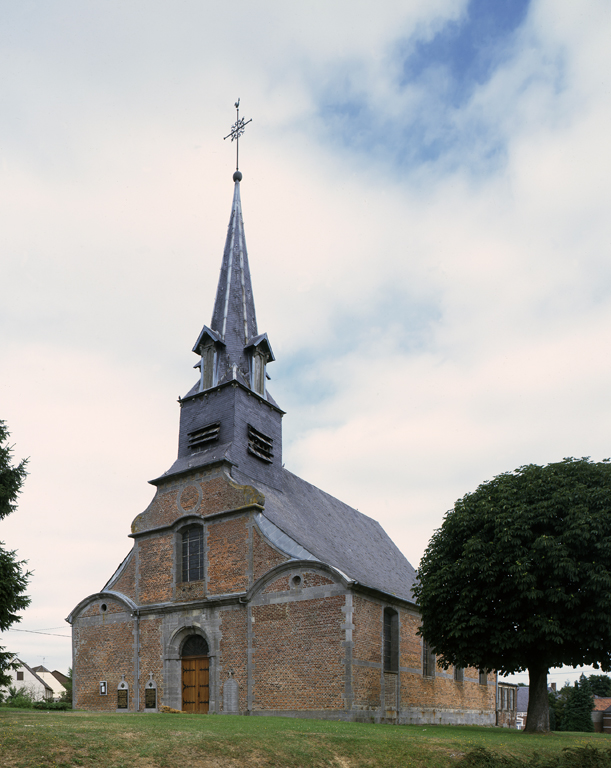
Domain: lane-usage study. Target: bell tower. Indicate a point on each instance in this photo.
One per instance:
(229, 414)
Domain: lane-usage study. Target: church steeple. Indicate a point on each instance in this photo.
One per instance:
(231, 348)
(229, 417)
(234, 316)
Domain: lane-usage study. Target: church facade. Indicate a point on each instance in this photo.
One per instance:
(248, 590)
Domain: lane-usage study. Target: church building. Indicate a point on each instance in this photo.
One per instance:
(247, 590)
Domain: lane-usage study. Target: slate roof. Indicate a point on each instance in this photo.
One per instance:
(337, 534)
(522, 700)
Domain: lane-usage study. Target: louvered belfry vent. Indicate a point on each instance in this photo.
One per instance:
(198, 438)
(260, 445)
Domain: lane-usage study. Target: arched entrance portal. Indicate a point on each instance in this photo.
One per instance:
(195, 675)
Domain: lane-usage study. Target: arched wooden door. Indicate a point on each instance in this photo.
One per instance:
(195, 675)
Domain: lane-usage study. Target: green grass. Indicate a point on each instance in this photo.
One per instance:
(32, 739)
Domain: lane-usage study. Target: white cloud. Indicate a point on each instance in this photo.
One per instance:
(434, 325)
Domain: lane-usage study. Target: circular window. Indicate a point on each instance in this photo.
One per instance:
(103, 607)
(296, 581)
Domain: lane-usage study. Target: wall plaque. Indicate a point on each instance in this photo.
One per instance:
(230, 696)
(150, 698)
(121, 699)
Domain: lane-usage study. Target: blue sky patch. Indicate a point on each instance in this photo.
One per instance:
(469, 50)
(440, 75)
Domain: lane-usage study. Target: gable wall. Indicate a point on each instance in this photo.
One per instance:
(103, 649)
(298, 640)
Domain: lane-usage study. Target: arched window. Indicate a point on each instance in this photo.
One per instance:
(391, 640)
(193, 553)
(259, 359)
(195, 645)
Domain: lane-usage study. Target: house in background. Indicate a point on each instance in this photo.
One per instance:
(506, 705)
(522, 707)
(50, 678)
(601, 715)
(25, 677)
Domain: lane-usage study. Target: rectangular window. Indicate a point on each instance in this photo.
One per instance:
(459, 674)
(260, 445)
(19, 675)
(193, 554)
(428, 661)
(207, 367)
(258, 374)
(483, 677)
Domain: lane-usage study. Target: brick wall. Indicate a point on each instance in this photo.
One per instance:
(126, 583)
(104, 650)
(367, 635)
(234, 651)
(265, 557)
(151, 655)
(155, 568)
(201, 494)
(298, 655)
(278, 585)
(410, 649)
(227, 556)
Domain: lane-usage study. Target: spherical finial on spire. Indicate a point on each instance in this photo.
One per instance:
(237, 176)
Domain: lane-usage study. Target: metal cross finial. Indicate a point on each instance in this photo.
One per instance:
(237, 129)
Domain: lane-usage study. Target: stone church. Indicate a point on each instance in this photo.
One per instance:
(247, 589)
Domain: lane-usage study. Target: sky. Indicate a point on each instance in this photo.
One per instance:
(425, 196)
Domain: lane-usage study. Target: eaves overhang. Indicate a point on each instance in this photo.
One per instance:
(213, 335)
(262, 341)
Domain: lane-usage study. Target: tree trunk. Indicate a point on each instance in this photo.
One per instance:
(537, 719)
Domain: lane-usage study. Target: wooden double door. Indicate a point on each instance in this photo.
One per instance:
(195, 684)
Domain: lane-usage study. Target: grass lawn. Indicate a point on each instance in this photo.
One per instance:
(33, 739)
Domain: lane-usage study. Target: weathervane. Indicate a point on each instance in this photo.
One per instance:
(237, 129)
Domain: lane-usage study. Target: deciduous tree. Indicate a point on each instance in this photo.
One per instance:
(13, 576)
(519, 576)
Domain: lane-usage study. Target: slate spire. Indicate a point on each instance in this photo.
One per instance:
(233, 317)
(231, 349)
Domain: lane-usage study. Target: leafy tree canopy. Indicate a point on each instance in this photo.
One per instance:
(519, 576)
(600, 685)
(577, 713)
(13, 577)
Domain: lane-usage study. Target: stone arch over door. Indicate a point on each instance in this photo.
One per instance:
(173, 660)
(195, 674)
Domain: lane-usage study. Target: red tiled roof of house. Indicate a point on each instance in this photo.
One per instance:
(601, 704)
